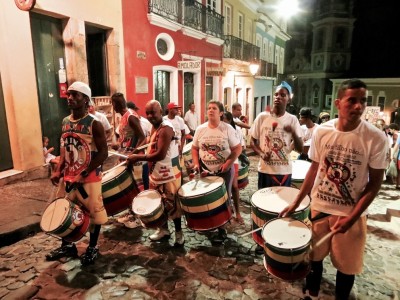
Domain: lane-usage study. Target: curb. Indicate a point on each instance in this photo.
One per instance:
(9, 238)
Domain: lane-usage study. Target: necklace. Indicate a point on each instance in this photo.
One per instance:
(73, 123)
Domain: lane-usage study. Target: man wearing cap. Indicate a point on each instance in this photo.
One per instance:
(324, 117)
(271, 138)
(102, 118)
(308, 126)
(84, 149)
(178, 123)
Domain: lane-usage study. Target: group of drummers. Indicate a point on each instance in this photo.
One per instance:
(294, 228)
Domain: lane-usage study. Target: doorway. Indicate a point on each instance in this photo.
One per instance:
(5, 156)
(188, 90)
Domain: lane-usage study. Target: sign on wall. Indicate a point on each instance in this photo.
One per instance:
(189, 65)
(141, 85)
(371, 114)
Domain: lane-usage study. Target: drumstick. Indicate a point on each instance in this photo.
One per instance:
(250, 232)
(115, 167)
(134, 150)
(118, 154)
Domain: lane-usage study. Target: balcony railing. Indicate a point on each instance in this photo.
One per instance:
(237, 48)
(268, 69)
(189, 13)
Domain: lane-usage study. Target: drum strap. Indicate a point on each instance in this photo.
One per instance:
(69, 187)
(280, 182)
(319, 216)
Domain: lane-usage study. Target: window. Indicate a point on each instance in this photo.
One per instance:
(381, 102)
(270, 52)
(370, 100)
(212, 4)
(209, 88)
(228, 20)
(265, 50)
(162, 87)
(315, 94)
(240, 26)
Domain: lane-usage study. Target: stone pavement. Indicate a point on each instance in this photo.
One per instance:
(131, 267)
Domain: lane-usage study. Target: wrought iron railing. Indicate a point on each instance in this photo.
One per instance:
(268, 69)
(237, 48)
(189, 13)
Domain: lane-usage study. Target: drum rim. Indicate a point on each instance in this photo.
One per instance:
(161, 205)
(67, 216)
(195, 196)
(117, 175)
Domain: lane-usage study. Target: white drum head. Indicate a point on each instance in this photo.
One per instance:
(112, 174)
(200, 186)
(146, 202)
(286, 233)
(187, 147)
(300, 169)
(55, 214)
(275, 199)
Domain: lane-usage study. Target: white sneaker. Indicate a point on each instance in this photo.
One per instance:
(159, 234)
(124, 218)
(133, 223)
(179, 238)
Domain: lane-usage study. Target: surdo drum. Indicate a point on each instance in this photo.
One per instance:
(243, 178)
(187, 155)
(205, 204)
(118, 188)
(299, 171)
(65, 219)
(267, 203)
(149, 208)
(287, 242)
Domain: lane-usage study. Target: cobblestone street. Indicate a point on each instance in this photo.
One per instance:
(131, 267)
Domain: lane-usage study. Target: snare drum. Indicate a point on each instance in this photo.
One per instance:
(118, 189)
(299, 171)
(205, 203)
(267, 203)
(65, 219)
(149, 208)
(287, 242)
(243, 178)
(187, 154)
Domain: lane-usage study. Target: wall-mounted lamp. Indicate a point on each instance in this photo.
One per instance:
(253, 69)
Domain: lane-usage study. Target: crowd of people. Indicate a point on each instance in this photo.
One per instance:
(348, 157)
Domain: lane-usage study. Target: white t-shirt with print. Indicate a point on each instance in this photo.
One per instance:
(276, 141)
(307, 133)
(344, 159)
(215, 144)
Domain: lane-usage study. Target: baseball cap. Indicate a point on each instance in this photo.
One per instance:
(81, 87)
(324, 114)
(285, 85)
(172, 105)
(306, 112)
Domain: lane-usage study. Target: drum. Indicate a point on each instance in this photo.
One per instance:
(149, 208)
(299, 171)
(243, 178)
(267, 203)
(118, 189)
(287, 242)
(65, 219)
(187, 154)
(205, 203)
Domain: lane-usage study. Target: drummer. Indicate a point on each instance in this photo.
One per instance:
(307, 126)
(215, 148)
(165, 173)
(131, 135)
(84, 150)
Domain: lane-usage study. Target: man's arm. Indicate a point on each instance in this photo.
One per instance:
(235, 152)
(134, 123)
(100, 141)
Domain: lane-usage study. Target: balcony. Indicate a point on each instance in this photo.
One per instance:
(189, 13)
(239, 49)
(267, 69)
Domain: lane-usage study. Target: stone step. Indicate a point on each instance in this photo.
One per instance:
(393, 209)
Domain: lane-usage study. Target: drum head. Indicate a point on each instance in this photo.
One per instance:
(112, 174)
(300, 169)
(286, 233)
(187, 147)
(275, 199)
(200, 186)
(55, 214)
(146, 202)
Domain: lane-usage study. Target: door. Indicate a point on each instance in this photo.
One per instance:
(5, 153)
(188, 90)
(48, 48)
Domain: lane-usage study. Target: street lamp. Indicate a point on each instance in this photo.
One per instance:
(253, 69)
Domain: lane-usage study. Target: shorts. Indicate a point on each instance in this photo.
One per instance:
(346, 249)
(169, 194)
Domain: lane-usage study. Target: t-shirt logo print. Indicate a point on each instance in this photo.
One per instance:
(339, 173)
(213, 150)
(77, 156)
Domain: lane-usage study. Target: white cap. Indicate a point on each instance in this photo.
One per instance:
(81, 87)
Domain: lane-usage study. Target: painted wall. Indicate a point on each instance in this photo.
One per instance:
(18, 70)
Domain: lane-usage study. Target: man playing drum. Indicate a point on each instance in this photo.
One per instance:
(84, 151)
(165, 173)
(216, 146)
(349, 157)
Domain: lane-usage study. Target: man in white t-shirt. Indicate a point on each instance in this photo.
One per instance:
(191, 118)
(102, 118)
(349, 157)
(178, 123)
(271, 137)
(308, 127)
(236, 113)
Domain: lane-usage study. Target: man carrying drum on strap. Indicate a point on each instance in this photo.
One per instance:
(131, 136)
(165, 173)
(84, 151)
(215, 148)
(349, 157)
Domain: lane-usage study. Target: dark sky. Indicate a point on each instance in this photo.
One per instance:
(376, 39)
